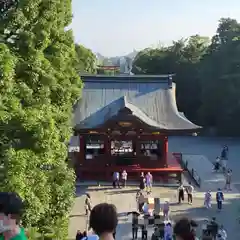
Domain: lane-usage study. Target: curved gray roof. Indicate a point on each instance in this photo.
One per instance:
(152, 100)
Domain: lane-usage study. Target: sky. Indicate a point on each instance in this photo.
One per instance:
(117, 27)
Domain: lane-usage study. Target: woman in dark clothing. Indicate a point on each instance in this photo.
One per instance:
(142, 181)
(79, 235)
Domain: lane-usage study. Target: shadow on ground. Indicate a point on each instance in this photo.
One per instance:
(121, 191)
(228, 216)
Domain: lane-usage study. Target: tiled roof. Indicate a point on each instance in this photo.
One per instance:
(151, 99)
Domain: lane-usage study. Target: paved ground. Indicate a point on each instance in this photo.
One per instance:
(211, 148)
(124, 199)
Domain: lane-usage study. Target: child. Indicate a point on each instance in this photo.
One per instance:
(11, 210)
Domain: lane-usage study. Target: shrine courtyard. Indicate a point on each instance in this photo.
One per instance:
(124, 199)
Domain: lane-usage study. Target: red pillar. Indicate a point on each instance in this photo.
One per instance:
(107, 146)
(165, 151)
(82, 150)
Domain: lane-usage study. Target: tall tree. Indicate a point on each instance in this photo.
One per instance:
(39, 85)
(220, 79)
(182, 58)
(86, 61)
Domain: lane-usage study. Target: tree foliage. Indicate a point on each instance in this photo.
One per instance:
(86, 61)
(38, 87)
(207, 75)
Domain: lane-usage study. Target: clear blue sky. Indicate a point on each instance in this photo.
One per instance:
(116, 27)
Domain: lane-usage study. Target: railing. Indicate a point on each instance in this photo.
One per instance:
(192, 172)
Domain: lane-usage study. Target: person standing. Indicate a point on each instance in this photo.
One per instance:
(88, 204)
(124, 178)
(219, 198)
(166, 209)
(228, 180)
(190, 190)
(142, 182)
(135, 216)
(141, 201)
(149, 180)
(180, 193)
(168, 231)
(224, 157)
(116, 177)
(103, 221)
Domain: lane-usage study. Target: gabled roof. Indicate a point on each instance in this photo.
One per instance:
(150, 98)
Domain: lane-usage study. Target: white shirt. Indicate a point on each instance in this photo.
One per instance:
(223, 233)
(124, 176)
(190, 189)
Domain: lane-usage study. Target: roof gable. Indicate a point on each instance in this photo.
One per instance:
(153, 102)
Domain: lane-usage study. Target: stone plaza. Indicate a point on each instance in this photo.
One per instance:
(125, 201)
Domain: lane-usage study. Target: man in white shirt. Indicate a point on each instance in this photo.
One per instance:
(124, 178)
(190, 190)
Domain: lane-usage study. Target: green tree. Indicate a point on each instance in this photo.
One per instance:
(39, 85)
(182, 58)
(220, 79)
(86, 61)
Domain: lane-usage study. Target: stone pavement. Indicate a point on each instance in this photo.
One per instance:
(124, 199)
(209, 180)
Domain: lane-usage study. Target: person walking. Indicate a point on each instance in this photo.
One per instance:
(124, 178)
(208, 199)
(219, 199)
(189, 191)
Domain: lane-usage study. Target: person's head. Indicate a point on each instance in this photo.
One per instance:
(213, 219)
(219, 189)
(84, 234)
(88, 195)
(142, 173)
(11, 210)
(103, 219)
(183, 230)
(189, 183)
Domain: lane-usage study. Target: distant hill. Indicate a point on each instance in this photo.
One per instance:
(117, 61)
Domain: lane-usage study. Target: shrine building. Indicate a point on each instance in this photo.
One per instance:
(123, 122)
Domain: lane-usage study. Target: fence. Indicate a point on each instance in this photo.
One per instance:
(184, 164)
